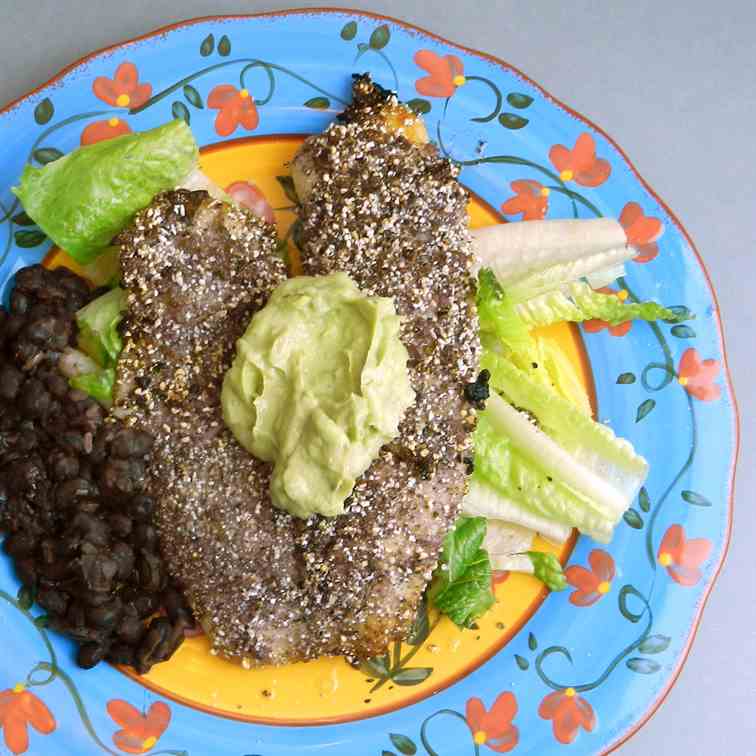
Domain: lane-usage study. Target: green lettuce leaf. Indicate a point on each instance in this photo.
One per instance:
(98, 327)
(462, 585)
(83, 199)
(506, 473)
(498, 317)
(548, 569)
(99, 385)
(578, 302)
(606, 468)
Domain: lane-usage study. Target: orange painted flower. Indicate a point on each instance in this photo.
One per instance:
(99, 131)
(236, 107)
(642, 231)
(139, 732)
(531, 199)
(682, 557)
(445, 74)
(20, 708)
(124, 89)
(568, 712)
(498, 577)
(493, 728)
(591, 584)
(595, 325)
(580, 164)
(249, 196)
(697, 376)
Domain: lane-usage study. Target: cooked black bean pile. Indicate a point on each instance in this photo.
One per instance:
(71, 491)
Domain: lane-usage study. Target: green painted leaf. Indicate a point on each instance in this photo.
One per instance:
(695, 498)
(287, 184)
(380, 37)
(387, 753)
(22, 219)
(412, 675)
(627, 612)
(683, 332)
(681, 313)
(419, 105)
(643, 409)
(519, 100)
(193, 96)
(45, 155)
(643, 666)
(224, 46)
(625, 378)
(44, 111)
(532, 642)
(207, 46)
(375, 667)
(522, 662)
(318, 103)
(643, 501)
(403, 744)
(349, 30)
(25, 597)
(654, 644)
(421, 626)
(180, 110)
(29, 239)
(633, 519)
(42, 621)
(512, 121)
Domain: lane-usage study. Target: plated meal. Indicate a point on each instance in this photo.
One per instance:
(305, 447)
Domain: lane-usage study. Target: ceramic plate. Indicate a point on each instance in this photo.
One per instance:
(586, 666)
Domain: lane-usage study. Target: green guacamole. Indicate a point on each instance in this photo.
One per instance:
(319, 383)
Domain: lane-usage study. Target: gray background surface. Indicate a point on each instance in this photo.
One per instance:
(674, 82)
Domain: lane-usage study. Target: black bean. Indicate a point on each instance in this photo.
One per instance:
(27, 476)
(90, 506)
(55, 602)
(105, 617)
(175, 605)
(121, 653)
(48, 332)
(57, 385)
(131, 630)
(56, 571)
(145, 604)
(63, 465)
(34, 399)
(157, 634)
(71, 491)
(95, 598)
(10, 382)
(76, 616)
(122, 477)
(131, 443)
(91, 654)
(151, 575)
(91, 528)
(120, 524)
(141, 507)
(145, 535)
(123, 555)
(26, 569)
(20, 545)
(13, 325)
(96, 572)
(19, 302)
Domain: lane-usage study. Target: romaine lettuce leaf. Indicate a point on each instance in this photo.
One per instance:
(578, 302)
(83, 199)
(607, 468)
(521, 478)
(98, 327)
(99, 385)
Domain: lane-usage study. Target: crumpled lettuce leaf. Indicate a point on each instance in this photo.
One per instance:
(579, 302)
(83, 199)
